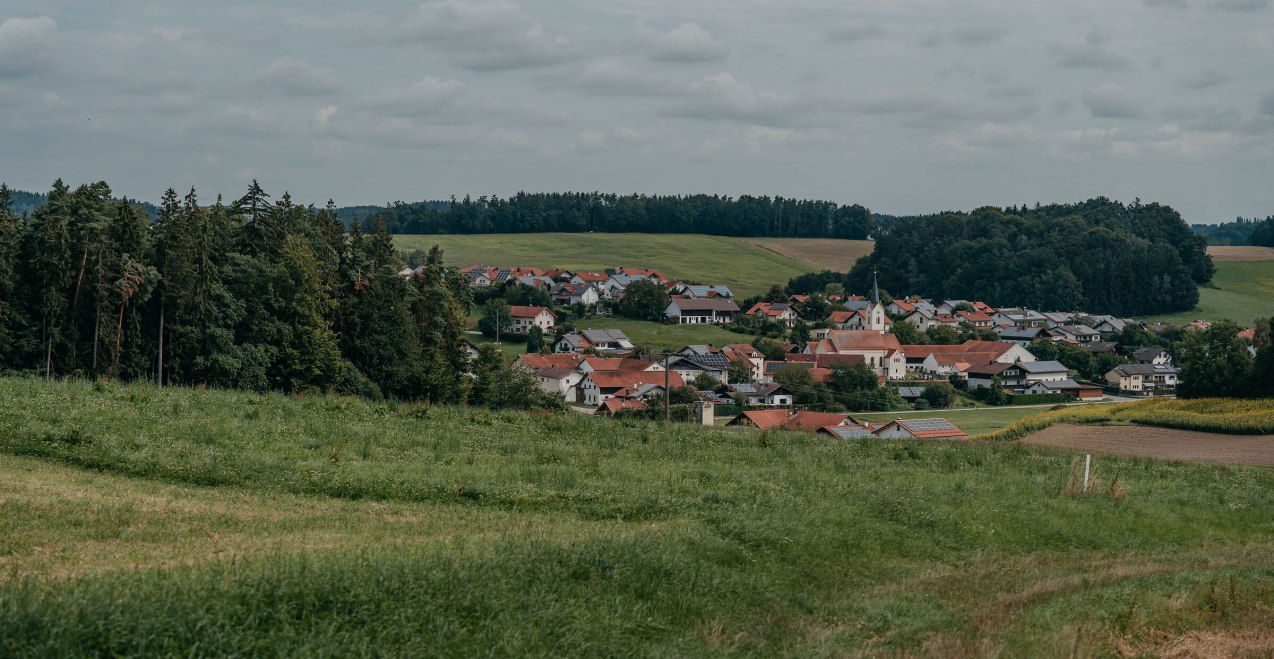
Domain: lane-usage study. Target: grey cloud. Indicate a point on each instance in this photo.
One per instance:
(1205, 79)
(971, 35)
(613, 78)
(1239, 5)
(687, 43)
(1166, 4)
(428, 98)
(1111, 101)
(298, 77)
(723, 97)
(485, 36)
(1088, 56)
(853, 33)
(1266, 106)
(1207, 118)
(27, 45)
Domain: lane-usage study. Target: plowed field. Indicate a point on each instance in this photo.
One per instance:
(1161, 443)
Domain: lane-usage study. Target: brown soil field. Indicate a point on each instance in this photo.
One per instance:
(820, 253)
(1241, 253)
(1161, 443)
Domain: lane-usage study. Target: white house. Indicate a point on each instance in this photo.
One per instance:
(699, 311)
(524, 318)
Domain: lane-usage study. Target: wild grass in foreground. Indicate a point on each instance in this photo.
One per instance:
(220, 523)
(1235, 416)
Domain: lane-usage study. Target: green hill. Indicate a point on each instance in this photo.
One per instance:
(745, 268)
(1240, 291)
(144, 522)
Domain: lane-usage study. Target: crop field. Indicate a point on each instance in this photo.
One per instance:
(1159, 443)
(1243, 290)
(180, 522)
(818, 253)
(1232, 416)
(1241, 253)
(747, 269)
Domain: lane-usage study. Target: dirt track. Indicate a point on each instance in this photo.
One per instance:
(1161, 443)
(1241, 253)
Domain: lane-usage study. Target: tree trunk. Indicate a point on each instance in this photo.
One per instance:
(80, 280)
(160, 379)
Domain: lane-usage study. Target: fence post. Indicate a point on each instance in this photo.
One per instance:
(1088, 460)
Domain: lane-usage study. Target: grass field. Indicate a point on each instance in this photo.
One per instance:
(1242, 291)
(1246, 416)
(141, 522)
(745, 268)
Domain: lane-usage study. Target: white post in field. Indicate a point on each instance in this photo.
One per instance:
(1088, 460)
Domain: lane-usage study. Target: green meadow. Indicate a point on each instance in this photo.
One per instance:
(746, 268)
(1240, 291)
(138, 522)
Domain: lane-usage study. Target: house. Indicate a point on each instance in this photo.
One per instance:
(1144, 378)
(699, 311)
(1056, 318)
(595, 278)
(950, 307)
(1078, 333)
(605, 340)
(787, 419)
(976, 319)
(690, 366)
(599, 386)
(1100, 347)
(1011, 375)
(613, 406)
(1157, 356)
(911, 394)
(1108, 324)
(882, 352)
(524, 318)
(852, 431)
(776, 312)
(586, 294)
(560, 380)
(1067, 386)
(920, 429)
(1044, 372)
(766, 395)
(697, 292)
(860, 319)
(948, 359)
(1019, 317)
(750, 356)
(1019, 335)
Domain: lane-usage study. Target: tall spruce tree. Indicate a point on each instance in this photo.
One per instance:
(9, 228)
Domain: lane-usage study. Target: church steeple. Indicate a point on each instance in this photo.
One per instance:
(875, 289)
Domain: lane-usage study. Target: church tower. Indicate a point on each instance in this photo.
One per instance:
(875, 312)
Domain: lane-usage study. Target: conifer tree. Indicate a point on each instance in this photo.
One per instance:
(9, 227)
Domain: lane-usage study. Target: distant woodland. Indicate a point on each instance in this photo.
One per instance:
(1099, 256)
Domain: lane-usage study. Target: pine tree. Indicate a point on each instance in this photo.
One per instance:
(9, 228)
(46, 256)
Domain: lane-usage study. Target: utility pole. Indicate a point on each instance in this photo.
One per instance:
(667, 392)
(497, 326)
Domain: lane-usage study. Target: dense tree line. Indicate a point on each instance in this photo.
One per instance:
(1216, 362)
(580, 212)
(256, 294)
(1100, 256)
(1238, 232)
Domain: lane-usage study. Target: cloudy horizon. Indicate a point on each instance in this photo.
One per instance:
(903, 106)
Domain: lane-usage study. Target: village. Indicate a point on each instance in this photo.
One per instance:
(602, 371)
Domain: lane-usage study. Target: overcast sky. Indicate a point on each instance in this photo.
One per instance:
(904, 106)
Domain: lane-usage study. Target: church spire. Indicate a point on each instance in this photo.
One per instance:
(875, 289)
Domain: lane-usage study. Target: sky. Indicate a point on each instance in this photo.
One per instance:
(904, 106)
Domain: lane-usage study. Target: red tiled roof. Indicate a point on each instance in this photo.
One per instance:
(862, 340)
(613, 405)
(528, 312)
(633, 379)
(571, 361)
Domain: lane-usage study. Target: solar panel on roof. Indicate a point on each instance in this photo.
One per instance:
(929, 424)
(850, 432)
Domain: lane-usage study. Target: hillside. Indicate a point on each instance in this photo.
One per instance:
(141, 522)
(1240, 290)
(747, 269)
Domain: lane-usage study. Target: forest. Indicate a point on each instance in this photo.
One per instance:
(255, 294)
(1100, 256)
(1242, 231)
(578, 212)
